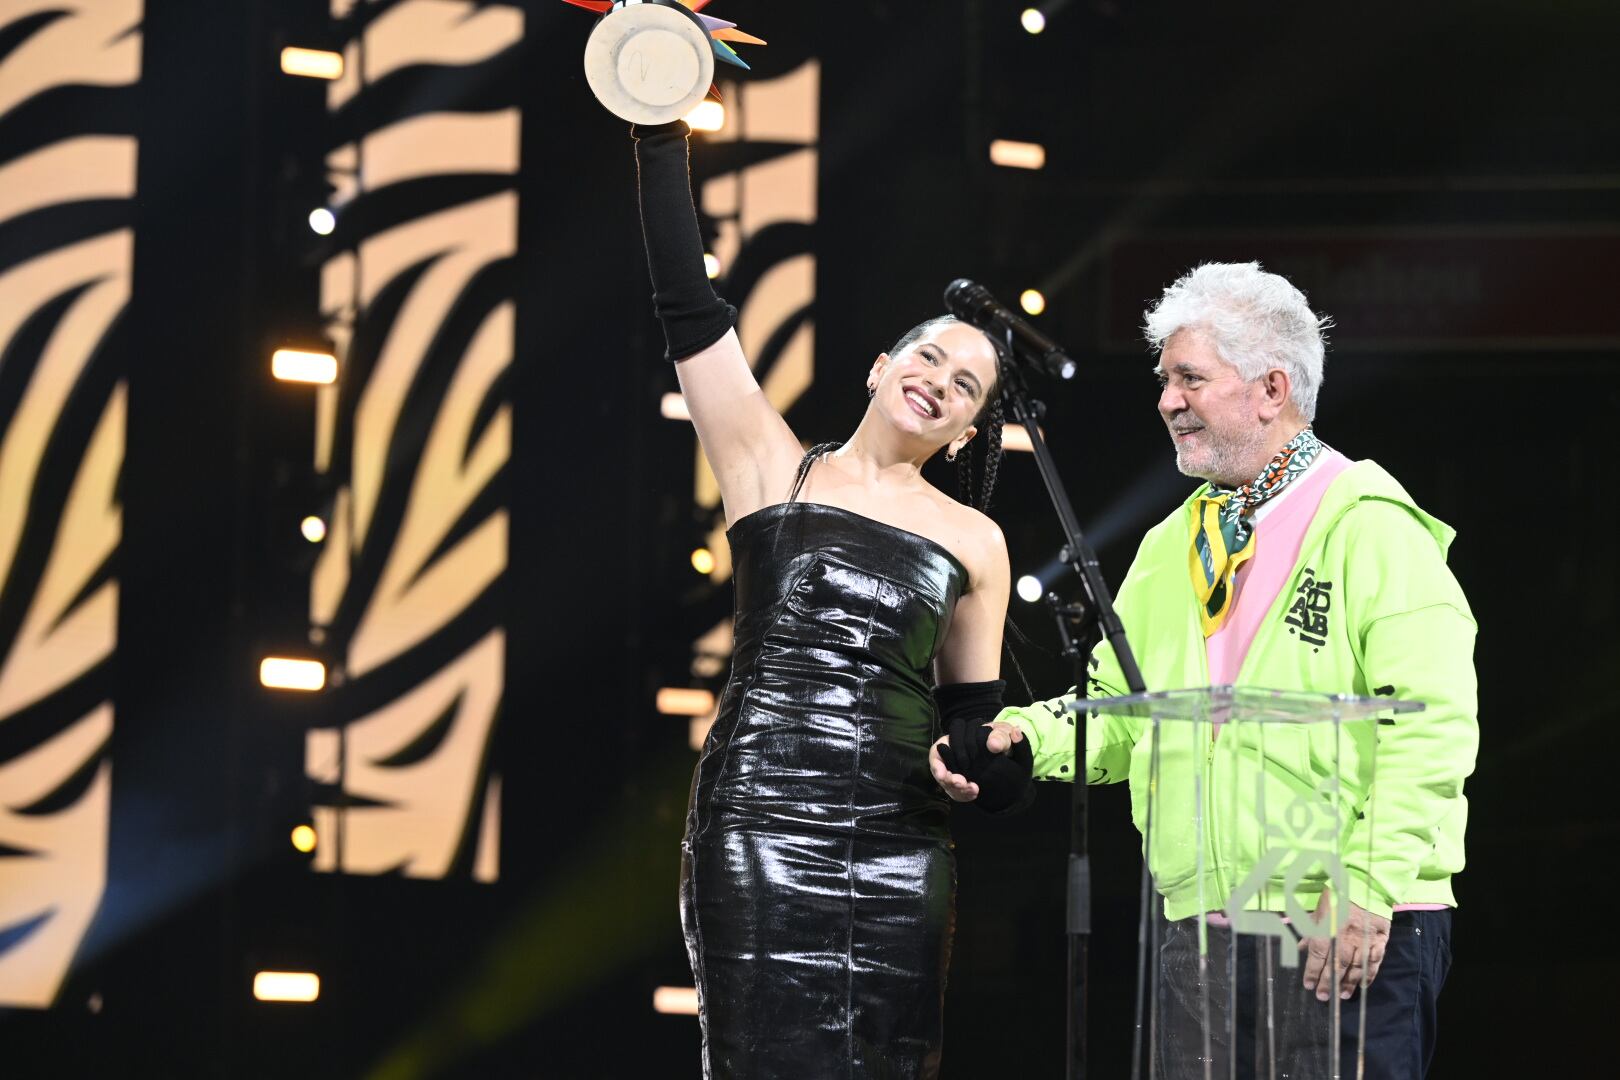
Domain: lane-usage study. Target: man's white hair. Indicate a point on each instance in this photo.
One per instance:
(1255, 320)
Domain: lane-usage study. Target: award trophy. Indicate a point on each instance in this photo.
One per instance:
(652, 61)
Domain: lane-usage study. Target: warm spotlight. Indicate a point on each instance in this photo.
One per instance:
(676, 1000)
(301, 986)
(707, 116)
(703, 561)
(1011, 154)
(313, 528)
(294, 365)
(685, 701)
(1014, 438)
(1030, 588)
(303, 838)
(312, 63)
(322, 220)
(1033, 20)
(287, 673)
(1032, 301)
(672, 406)
(711, 265)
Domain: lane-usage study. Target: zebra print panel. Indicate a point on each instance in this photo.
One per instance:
(415, 439)
(67, 180)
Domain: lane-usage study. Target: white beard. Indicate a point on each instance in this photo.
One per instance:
(1227, 462)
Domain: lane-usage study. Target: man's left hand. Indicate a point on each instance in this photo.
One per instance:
(959, 787)
(1361, 945)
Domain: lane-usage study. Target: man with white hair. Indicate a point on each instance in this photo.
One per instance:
(1295, 568)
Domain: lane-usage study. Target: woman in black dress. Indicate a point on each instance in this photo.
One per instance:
(818, 877)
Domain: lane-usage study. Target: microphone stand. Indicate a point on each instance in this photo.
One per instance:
(1081, 623)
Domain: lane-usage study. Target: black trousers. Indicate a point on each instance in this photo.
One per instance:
(1279, 1026)
(1400, 1003)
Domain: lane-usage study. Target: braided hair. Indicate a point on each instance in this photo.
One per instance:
(811, 456)
(990, 422)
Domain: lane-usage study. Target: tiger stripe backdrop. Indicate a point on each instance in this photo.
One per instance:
(67, 181)
(415, 438)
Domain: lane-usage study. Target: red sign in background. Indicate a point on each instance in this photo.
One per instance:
(1472, 289)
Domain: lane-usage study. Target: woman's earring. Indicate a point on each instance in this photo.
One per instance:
(950, 455)
(871, 391)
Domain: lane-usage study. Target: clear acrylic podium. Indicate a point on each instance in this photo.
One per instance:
(1249, 803)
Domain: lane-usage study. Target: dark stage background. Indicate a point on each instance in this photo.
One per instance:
(498, 798)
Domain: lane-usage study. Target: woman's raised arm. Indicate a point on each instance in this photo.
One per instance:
(747, 442)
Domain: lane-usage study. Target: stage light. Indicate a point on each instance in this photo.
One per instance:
(703, 561)
(287, 673)
(707, 116)
(301, 986)
(1015, 439)
(303, 838)
(312, 63)
(1032, 301)
(296, 365)
(685, 701)
(1032, 587)
(1011, 154)
(672, 406)
(1032, 20)
(313, 528)
(322, 220)
(711, 265)
(676, 1000)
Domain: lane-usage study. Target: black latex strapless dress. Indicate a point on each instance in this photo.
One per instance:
(818, 878)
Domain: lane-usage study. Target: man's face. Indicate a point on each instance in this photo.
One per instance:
(1214, 416)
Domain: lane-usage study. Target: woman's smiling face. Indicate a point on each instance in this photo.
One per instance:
(935, 387)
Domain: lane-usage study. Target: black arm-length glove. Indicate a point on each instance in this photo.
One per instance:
(965, 712)
(693, 316)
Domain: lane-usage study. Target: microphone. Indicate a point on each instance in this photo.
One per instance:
(973, 304)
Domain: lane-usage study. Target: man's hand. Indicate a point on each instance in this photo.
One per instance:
(957, 786)
(1361, 944)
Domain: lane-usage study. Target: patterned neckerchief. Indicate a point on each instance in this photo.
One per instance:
(1223, 526)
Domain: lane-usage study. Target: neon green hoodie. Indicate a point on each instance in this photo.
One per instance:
(1397, 624)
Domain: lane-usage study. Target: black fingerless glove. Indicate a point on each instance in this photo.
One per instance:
(693, 316)
(965, 711)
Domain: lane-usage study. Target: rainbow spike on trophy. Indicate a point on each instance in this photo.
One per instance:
(652, 61)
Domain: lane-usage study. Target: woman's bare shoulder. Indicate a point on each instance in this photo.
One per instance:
(974, 538)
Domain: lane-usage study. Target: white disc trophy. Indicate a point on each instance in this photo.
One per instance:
(652, 61)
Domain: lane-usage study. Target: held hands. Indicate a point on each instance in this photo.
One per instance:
(990, 764)
(1361, 944)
